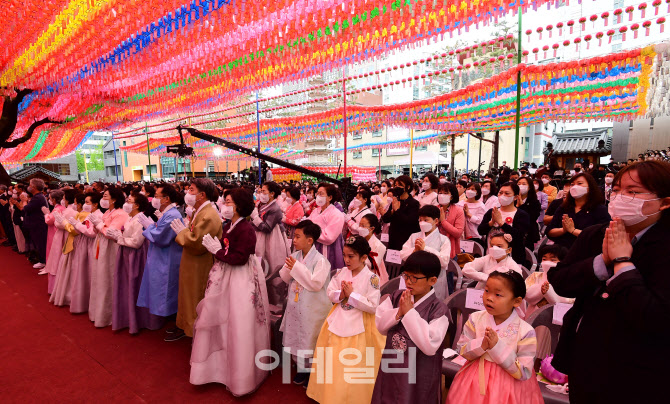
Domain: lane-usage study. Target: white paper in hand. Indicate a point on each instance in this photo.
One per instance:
(474, 299)
(559, 311)
(393, 256)
(384, 238)
(468, 246)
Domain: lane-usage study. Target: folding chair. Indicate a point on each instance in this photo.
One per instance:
(543, 317)
(393, 269)
(391, 286)
(458, 316)
(530, 257)
(478, 250)
(524, 272)
(455, 269)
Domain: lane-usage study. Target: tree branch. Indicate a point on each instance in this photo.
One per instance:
(29, 133)
(481, 138)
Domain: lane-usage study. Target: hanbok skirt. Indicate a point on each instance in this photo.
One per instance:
(62, 289)
(333, 252)
(127, 280)
(232, 327)
(20, 239)
(483, 382)
(80, 266)
(328, 382)
(272, 248)
(102, 281)
(55, 257)
(51, 232)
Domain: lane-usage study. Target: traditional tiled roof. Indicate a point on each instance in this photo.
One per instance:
(595, 142)
(29, 171)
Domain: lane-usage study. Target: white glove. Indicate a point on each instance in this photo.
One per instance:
(254, 214)
(72, 221)
(58, 219)
(144, 221)
(177, 225)
(45, 210)
(158, 213)
(94, 219)
(113, 234)
(211, 244)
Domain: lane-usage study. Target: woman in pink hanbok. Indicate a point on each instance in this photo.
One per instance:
(331, 221)
(233, 323)
(57, 219)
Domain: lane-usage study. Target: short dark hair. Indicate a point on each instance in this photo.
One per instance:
(556, 249)
(540, 184)
(511, 184)
(294, 193)
(330, 191)
(434, 181)
(595, 197)
(514, 281)
(451, 189)
(494, 188)
(374, 222)
(208, 187)
(406, 181)
(141, 201)
(366, 194)
(273, 188)
(243, 200)
(69, 195)
(359, 244)
(116, 194)
(462, 183)
(309, 229)
(430, 211)
(95, 197)
(150, 190)
(424, 263)
(170, 191)
(80, 198)
(478, 189)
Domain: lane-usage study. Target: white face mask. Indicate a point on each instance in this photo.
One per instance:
(470, 193)
(497, 252)
(547, 265)
(363, 231)
(63, 202)
(545, 181)
(289, 200)
(505, 200)
(190, 199)
(189, 211)
(444, 199)
(142, 193)
(577, 191)
(629, 212)
(227, 212)
(127, 207)
(104, 203)
(309, 197)
(536, 186)
(356, 203)
(609, 180)
(443, 181)
(86, 207)
(486, 191)
(425, 186)
(523, 189)
(384, 189)
(156, 203)
(320, 200)
(264, 198)
(425, 226)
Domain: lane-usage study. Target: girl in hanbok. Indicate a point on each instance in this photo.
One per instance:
(233, 323)
(361, 205)
(500, 348)
(100, 303)
(307, 273)
(294, 212)
(330, 219)
(83, 260)
(369, 227)
(497, 259)
(474, 211)
(57, 218)
(350, 326)
(130, 261)
(270, 236)
(430, 239)
(62, 290)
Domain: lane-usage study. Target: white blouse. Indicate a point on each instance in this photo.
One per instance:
(347, 318)
(480, 268)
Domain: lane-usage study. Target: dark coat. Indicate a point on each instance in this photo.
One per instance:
(404, 222)
(33, 217)
(614, 341)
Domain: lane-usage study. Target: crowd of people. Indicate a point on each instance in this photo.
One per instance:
(214, 262)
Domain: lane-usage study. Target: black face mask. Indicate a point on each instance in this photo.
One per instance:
(578, 169)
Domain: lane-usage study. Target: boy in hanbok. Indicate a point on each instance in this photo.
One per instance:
(350, 327)
(500, 349)
(307, 273)
(497, 259)
(415, 323)
(430, 239)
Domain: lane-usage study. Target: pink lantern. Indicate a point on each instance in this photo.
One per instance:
(539, 31)
(587, 39)
(593, 19)
(646, 26)
(560, 28)
(549, 29)
(600, 35)
(577, 41)
(605, 16)
(634, 28)
(630, 10)
(610, 34)
(642, 7)
(660, 22)
(582, 21)
(623, 31)
(570, 24)
(617, 13)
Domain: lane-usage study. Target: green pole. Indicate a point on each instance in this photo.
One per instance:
(518, 95)
(146, 130)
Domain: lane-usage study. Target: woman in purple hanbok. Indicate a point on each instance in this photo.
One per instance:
(130, 261)
(233, 323)
(330, 219)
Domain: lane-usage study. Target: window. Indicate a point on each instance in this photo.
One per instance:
(618, 4)
(109, 154)
(443, 146)
(376, 152)
(357, 136)
(153, 169)
(377, 133)
(617, 37)
(415, 92)
(125, 157)
(421, 148)
(358, 154)
(616, 47)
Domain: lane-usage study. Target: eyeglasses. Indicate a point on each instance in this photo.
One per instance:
(627, 196)
(412, 278)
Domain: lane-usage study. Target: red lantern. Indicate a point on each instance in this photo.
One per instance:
(622, 31)
(549, 29)
(577, 41)
(600, 35)
(556, 46)
(560, 28)
(656, 4)
(539, 31)
(660, 22)
(528, 32)
(617, 13)
(642, 7)
(582, 21)
(646, 25)
(630, 10)
(605, 16)
(593, 19)
(610, 33)
(634, 28)
(570, 24)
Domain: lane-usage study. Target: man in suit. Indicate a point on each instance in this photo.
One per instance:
(618, 273)
(34, 220)
(606, 188)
